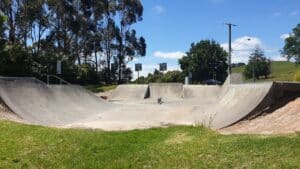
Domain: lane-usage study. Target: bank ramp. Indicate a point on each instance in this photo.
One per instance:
(214, 106)
(130, 92)
(38, 103)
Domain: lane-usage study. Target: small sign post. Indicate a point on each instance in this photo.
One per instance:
(162, 67)
(58, 67)
(138, 68)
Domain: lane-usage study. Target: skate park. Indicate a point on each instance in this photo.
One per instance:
(133, 106)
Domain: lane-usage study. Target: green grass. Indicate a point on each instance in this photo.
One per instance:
(25, 146)
(100, 88)
(281, 71)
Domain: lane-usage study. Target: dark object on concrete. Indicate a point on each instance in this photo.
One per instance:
(212, 82)
(104, 97)
(159, 101)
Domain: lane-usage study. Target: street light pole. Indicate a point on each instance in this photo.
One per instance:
(229, 48)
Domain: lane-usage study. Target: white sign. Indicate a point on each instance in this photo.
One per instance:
(58, 67)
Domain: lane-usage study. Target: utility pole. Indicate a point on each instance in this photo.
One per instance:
(229, 47)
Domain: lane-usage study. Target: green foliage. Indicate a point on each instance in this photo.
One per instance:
(205, 60)
(100, 88)
(173, 76)
(297, 76)
(258, 65)
(2, 27)
(74, 33)
(292, 45)
(15, 61)
(159, 77)
(3, 53)
(26, 146)
(86, 74)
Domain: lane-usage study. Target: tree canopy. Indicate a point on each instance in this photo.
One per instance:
(160, 77)
(205, 60)
(83, 34)
(291, 48)
(258, 65)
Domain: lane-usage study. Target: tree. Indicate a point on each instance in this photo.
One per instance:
(291, 48)
(205, 60)
(3, 52)
(128, 45)
(258, 65)
(2, 30)
(14, 60)
(159, 77)
(80, 33)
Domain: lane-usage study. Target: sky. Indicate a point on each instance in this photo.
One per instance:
(170, 26)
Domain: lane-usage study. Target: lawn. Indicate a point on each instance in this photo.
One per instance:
(281, 71)
(26, 146)
(100, 88)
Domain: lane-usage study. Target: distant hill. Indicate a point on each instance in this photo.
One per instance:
(281, 71)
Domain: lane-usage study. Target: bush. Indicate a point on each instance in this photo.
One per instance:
(15, 61)
(159, 77)
(87, 74)
(259, 64)
(297, 76)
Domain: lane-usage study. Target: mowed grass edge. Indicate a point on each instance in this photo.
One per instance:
(280, 71)
(27, 146)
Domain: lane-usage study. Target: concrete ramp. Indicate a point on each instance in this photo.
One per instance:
(236, 78)
(166, 90)
(201, 92)
(130, 92)
(237, 103)
(214, 106)
(43, 104)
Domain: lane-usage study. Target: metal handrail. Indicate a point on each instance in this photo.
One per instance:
(61, 81)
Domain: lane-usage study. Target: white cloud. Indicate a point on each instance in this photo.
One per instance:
(158, 9)
(242, 48)
(278, 58)
(169, 55)
(284, 36)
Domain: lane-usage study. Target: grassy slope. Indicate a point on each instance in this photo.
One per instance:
(24, 146)
(281, 71)
(100, 88)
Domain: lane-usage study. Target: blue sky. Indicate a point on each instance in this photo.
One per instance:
(170, 26)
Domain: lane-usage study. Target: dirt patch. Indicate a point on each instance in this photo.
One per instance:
(284, 120)
(104, 94)
(179, 138)
(7, 114)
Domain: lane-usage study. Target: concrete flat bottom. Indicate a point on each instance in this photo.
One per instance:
(73, 106)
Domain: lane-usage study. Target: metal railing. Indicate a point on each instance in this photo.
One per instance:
(59, 79)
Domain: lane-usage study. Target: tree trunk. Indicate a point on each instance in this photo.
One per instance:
(96, 61)
(12, 36)
(120, 70)
(108, 75)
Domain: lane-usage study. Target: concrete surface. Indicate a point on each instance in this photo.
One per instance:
(39, 103)
(133, 92)
(135, 106)
(166, 90)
